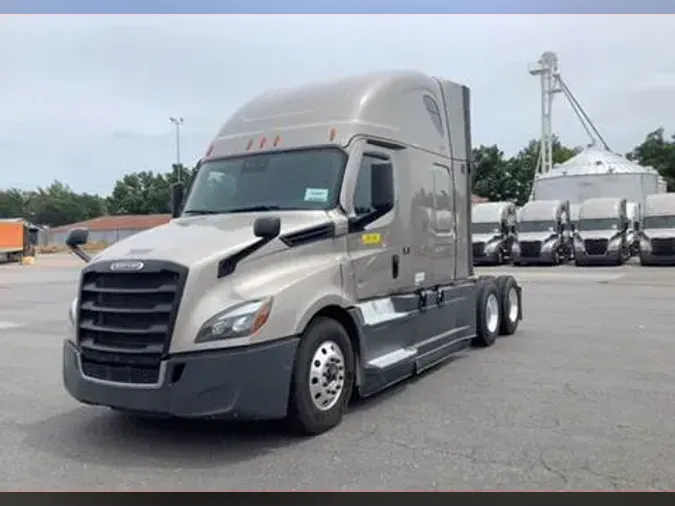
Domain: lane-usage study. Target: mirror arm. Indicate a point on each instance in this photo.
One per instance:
(84, 256)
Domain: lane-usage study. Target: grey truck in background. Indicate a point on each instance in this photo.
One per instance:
(657, 239)
(322, 250)
(601, 236)
(493, 232)
(543, 233)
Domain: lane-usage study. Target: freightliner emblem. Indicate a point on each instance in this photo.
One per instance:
(126, 266)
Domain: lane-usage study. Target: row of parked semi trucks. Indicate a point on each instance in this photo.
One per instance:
(596, 231)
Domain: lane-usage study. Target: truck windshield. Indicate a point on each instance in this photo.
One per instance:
(485, 228)
(537, 226)
(599, 224)
(287, 180)
(659, 222)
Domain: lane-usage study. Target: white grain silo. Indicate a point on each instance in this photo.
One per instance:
(597, 173)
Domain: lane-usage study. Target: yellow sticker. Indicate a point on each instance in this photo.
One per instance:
(370, 239)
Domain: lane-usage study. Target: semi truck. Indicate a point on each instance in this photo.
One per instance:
(493, 232)
(543, 233)
(602, 232)
(321, 251)
(16, 240)
(657, 239)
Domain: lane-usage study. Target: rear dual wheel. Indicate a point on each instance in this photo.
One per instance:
(497, 309)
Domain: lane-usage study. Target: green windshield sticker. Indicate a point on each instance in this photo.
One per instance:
(316, 194)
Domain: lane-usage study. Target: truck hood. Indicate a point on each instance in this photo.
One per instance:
(599, 234)
(486, 238)
(193, 240)
(660, 233)
(535, 236)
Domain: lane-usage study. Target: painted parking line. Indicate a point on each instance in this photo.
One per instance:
(10, 325)
(534, 275)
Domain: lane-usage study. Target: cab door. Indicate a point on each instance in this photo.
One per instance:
(372, 245)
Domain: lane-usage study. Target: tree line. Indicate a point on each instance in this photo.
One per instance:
(496, 177)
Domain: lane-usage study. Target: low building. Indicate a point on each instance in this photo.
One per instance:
(110, 229)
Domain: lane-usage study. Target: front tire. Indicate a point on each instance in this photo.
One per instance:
(323, 378)
(488, 314)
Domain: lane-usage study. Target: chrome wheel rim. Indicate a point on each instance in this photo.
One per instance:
(492, 313)
(327, 375)
(513, 305)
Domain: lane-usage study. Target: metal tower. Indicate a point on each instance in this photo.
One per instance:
(547, 70)
(551, 84)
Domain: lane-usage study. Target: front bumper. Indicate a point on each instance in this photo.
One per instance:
(544, 258)
(650, 258)
(489, 259)
(609, 257)
(249, 383)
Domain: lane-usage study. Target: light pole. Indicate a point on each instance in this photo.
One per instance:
(177, 122)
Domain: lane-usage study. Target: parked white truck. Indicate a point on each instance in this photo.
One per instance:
(657, 240)
(493, 232)
(543, 233)
(311, 258)
(601, 236)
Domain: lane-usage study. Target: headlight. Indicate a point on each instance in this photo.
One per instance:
(239, 321)
(72, 312)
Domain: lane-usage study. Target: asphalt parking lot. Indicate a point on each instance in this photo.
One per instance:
(581, 397)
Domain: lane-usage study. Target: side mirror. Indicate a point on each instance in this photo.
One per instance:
(78, 237)
(382, 187)
(267, 227)
(177, 190)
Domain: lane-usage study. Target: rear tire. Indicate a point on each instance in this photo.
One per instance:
(488, 314)
(510, 305)
(323, 378)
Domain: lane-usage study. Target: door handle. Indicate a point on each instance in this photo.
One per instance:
(394, 266)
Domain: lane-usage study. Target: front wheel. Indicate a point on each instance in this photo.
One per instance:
(323, 377)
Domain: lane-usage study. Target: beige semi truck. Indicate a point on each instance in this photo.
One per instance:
(601, 237)
(657, 238)
(544, 235)
(493, 232)
(321, 251)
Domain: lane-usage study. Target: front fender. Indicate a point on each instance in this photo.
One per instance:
(300, 284)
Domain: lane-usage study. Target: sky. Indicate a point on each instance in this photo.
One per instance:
(85, 99)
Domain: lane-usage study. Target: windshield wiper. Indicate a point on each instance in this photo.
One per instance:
(201, 211)
(253, 209)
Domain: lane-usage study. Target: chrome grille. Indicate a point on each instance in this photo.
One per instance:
(126, 320)
(530, 248)
(596, 246)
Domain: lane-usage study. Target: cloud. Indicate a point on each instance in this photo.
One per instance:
(86, 98)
